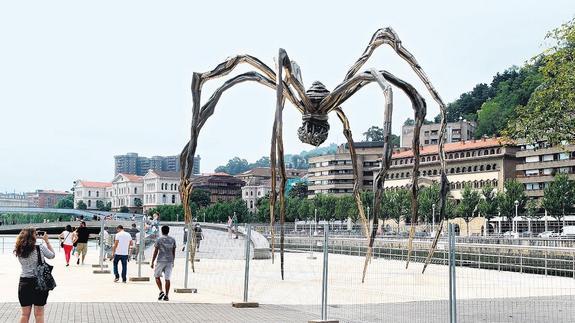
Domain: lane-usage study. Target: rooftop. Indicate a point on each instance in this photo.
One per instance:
(454, 146)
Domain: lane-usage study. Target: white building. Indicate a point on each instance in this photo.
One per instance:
(127, 190)
(254, 190)
(91, 192)
(15, 200)
(160, 188)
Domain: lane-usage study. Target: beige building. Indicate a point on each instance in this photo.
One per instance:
(455, 132)
(258, 183)
(91, 192)
(540, 162)
(476, 162)
(333, 174)
(14, 200)
(161, 188)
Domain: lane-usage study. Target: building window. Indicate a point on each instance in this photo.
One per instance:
(97, 193)
(89, 203)
(164, 198)
(173, 198)
(135, 190)
(89, 193)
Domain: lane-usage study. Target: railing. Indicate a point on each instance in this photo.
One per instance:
(554, 261)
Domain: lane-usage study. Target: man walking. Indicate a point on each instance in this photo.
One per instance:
(120, 252)
(82, 235)
(165, 251)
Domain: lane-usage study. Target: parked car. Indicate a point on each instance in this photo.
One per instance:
(568, 231)
(511, 234)
(546, 234)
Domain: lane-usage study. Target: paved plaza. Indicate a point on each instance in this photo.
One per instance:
(391, 293)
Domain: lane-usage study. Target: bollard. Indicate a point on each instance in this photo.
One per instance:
(245, 303)
(141, 256)
(102, 244)
(186, 270)
(452, 290)
(324, 279)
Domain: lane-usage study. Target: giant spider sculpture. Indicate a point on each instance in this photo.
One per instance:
(315, 104)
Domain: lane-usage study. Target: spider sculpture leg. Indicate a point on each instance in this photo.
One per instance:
(284, 65)
(200, 114)
(389, 36)
(344, 91)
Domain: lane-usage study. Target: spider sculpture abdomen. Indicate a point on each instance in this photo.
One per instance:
(315, 127)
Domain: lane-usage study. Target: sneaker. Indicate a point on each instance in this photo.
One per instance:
(166, 298)
(78, 261)
(67, 265)
(161, 296)
(116, 280)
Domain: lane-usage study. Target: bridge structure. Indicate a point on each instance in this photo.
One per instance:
(260, 243)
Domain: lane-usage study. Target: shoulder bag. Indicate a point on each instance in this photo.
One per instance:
(44, 279)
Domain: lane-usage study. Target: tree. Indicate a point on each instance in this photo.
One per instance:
(81, 205)
(468, 204)
(124, 209)
(234, 166)
(409, 122)
(550, 113)
(374, 133)
(201, 198)
(298, 190)
(559, 197)
(531, 209)
(66, 203)
(137, 202)
(108, 206)
(487, 206)
(512, 191)
(426, 198)
(262, 162)
(396, 204)
(100, 205)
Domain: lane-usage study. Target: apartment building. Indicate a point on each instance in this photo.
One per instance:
(222, 186)
(540, 162)
(461, 130)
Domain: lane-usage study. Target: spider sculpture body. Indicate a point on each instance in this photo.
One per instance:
(315, 104)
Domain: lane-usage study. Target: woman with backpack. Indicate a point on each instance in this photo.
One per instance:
(67, 242)
(29, 254)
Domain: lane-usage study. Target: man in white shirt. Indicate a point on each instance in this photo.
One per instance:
(120, 252)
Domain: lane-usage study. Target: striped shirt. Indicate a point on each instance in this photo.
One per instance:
(31, 262)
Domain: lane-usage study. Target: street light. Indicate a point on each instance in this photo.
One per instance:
(433, 218)
(515, 220)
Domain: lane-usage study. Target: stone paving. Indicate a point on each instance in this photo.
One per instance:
(391, 293)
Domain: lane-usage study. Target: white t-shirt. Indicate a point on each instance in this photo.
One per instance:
(123, 239)
(68, 237)
(137, 239)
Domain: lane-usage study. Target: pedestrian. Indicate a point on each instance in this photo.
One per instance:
(81, 240)
(67, 242)
(230, 223)
(28, 251)
(120, 252)
(165, 251)
(136, 235)
(235, 225)
(199, 235)
(185, 237)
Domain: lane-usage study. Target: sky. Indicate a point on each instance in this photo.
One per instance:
(83, 81)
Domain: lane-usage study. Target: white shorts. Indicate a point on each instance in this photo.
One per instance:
(163, 267)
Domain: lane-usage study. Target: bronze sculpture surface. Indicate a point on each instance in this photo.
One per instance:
(315, 104)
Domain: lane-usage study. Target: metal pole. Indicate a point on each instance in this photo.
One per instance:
(247, 268)
(324, 276)
(433, 218)
(315, 225)
(452, 296)
(141, 248)
(187, 249)
(101, 242)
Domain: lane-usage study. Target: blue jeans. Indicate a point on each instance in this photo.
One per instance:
(124, 260)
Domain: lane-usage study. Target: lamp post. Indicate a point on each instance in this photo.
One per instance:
(315, 226)
(370, 222)
(432, 218)
(516, 213)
